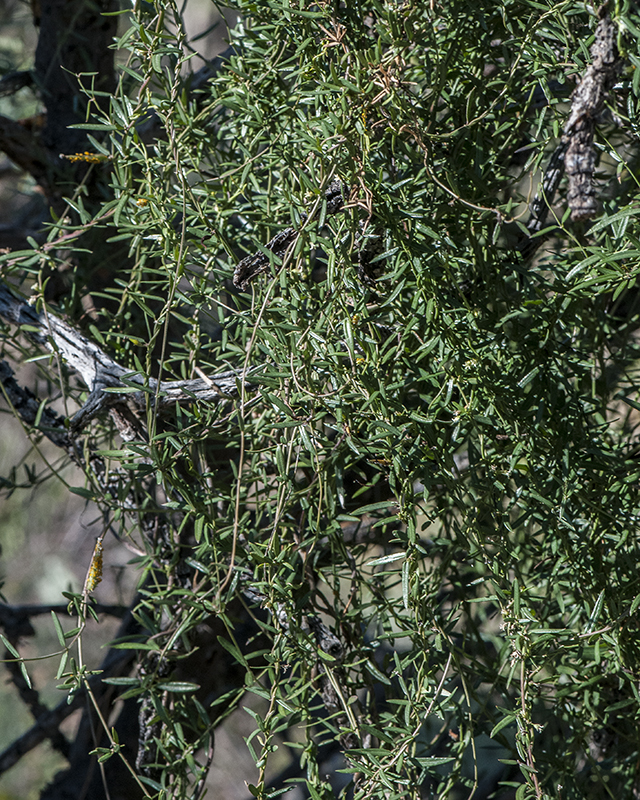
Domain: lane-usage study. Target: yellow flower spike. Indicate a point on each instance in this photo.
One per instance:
(87, 157)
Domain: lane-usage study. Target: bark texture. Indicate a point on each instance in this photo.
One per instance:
(587, 103)
(73, 51)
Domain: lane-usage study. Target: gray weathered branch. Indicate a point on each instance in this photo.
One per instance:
(99, 372)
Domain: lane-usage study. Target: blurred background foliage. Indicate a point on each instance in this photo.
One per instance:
(415, 518)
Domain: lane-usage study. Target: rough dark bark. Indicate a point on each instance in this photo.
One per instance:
(257, 263)
(587, 102)
(575, 155)
(73, 49)
(542, 201)
(25, 150)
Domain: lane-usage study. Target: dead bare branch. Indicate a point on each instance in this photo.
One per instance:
(12, 82)
(100, 373)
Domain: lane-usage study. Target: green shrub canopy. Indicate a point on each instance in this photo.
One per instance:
(368, 397)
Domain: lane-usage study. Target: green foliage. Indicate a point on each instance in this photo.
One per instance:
(440, 464)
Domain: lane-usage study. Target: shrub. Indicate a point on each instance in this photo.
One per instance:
(351, 328)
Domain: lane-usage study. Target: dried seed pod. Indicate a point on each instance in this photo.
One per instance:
(94, 574)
